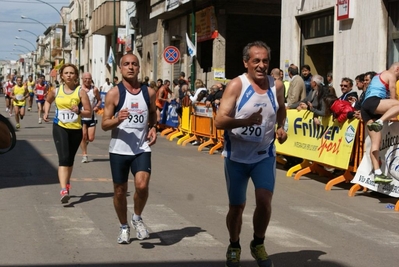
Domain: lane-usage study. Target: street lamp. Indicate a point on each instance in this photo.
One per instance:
(19, 38)
(23, 47)
(35, 20)
(22, 30)
(63, 25)
(17, 50)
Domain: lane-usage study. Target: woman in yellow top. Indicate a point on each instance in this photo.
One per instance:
(67, 128)
(19, 95)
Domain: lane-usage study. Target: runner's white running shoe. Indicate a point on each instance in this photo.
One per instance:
(141, 229)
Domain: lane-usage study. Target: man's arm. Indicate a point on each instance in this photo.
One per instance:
(281, 112)
(111, 101)
(98, 97)
(225, 118)
(152, 118)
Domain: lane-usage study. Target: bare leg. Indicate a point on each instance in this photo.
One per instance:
(262, 211)
(375, 138)
(83, 143)
(389, 108)
(16, 114)
(64, 175)
(120, 202)
(234, 221)
(141, 181)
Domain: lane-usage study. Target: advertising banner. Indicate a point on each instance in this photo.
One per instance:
(206, 24)
(389, 162)
(330, 142)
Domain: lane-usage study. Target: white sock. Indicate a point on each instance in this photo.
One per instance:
(378, 172)
(379, 121)
(136, 217)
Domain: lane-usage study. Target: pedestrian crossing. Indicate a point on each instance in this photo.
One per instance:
(174, 229)
(72, 226)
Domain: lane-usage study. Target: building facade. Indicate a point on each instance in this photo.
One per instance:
(340, 36)
(347, 37)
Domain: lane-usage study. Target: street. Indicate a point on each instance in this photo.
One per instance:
(185, 212)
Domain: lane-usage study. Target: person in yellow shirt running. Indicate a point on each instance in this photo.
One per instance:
(69, 99)
(30, 84)
(19, 95)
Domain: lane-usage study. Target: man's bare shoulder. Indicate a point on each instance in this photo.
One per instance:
(113, 93)
(234, 86)
(151, 91)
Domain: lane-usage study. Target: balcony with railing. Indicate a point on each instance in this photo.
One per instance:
(102, 21)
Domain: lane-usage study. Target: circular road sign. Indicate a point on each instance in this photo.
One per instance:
(171, 54)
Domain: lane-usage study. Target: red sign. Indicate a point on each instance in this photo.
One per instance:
(171, 54)
(344, 10)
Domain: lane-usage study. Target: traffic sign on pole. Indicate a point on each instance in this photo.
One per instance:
(171, 54)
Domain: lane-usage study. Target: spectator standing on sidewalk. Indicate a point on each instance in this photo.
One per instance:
(307, 78)
(69, 99)
(252, 105)
(89, 124)
(130, 112)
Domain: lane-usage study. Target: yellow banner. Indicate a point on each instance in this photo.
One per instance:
(57, 67)
(330, 142)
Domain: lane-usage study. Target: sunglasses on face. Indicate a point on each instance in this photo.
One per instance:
(343, 85)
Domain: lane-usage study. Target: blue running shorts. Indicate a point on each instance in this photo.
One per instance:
(262, 173)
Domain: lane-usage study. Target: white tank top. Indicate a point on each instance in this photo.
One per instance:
(130, 137)
(93, 102)
(254, 143)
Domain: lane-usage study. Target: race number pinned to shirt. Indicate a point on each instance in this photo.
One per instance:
(253, 133)
(67, 116)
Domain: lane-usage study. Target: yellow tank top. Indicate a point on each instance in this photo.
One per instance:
(30, 85)
(64, 116)
(19, 92)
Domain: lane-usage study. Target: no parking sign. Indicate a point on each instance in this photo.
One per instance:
(171, 54)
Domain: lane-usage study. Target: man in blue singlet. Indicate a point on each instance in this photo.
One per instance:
(252, 105)
(379, 105)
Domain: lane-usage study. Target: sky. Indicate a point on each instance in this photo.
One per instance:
(11, 21)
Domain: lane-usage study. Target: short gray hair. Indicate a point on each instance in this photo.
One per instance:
(245, 52)
(318, 79)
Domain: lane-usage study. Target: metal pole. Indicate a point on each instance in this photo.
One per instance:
(79, 18)
(23, 47)
(19, 38)
(114, 42)
(63, 28)
(193, 65)
(35, 20)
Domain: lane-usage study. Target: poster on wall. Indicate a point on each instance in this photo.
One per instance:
(206, 24)
(344, 9)
(171, 4)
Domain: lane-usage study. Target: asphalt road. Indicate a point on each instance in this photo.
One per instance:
(185, 212)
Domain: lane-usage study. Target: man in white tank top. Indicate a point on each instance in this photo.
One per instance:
(250, 108)
(89, 124)
(130, 112)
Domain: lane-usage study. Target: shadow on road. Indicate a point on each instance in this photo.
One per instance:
(89, 196)
(24, 166)
(303, 258)
(171, 237)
